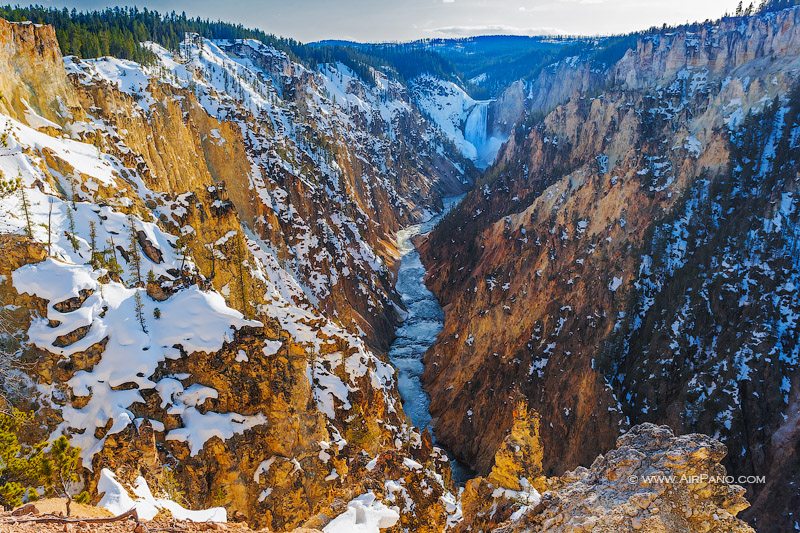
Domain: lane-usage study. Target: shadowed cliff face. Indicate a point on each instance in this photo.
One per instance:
(627, 260)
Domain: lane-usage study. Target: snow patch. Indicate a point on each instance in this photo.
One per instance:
(117, 500)
(365, 514)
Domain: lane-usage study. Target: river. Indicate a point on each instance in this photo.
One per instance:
(418, 332)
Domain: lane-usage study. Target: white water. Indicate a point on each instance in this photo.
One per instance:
(424, 321)
(476, 125)
(476, 132)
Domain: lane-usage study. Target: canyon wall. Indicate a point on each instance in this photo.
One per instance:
(631, 258)
(198, 272)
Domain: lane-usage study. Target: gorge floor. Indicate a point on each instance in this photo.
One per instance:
(423, 321)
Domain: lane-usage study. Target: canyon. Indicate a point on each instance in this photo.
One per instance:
(323, 295)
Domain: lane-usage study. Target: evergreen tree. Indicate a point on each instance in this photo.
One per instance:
(7, 187)
(26, 469)
(94, 254)
(73, 240)
(182, 247)
(111, 263)
(72, 187)
(770, 6)
(49, 226)
(139, 307)
(23, 198)
(134, 257)
(60, 470)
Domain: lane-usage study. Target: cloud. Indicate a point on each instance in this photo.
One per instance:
(493, 29)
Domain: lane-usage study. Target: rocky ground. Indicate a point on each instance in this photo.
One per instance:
(49, 515)
(652, 481)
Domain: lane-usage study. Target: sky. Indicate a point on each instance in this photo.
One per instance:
(402, 20)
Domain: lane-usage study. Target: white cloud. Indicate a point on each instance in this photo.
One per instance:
(493, 29)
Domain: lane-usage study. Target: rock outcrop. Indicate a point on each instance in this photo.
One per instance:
(652, 481)
(33, 83)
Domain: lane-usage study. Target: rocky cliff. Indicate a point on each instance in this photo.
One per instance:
(631, 258)
(199, 273)
(651, 481)
(32, 77)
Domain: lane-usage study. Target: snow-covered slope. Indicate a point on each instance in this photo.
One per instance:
(201, 270)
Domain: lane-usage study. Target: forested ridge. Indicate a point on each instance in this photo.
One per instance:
(119, 32)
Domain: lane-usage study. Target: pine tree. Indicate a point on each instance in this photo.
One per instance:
(61, 471)
(182, 247)
(94, 258)
(49, 226)
(71, 235)
(23, 196)
(17, 468)
(139, 306)
(29, 468)
(111, 261)
(134, 257)
(7, 187)
(72, 193)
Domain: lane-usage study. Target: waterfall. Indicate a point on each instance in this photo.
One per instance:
(476, 125)
(476, 133)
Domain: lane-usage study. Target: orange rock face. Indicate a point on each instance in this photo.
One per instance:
(586, 272)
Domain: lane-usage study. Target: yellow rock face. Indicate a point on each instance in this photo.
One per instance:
(32, 71)
(300, 467)
(520, 455)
